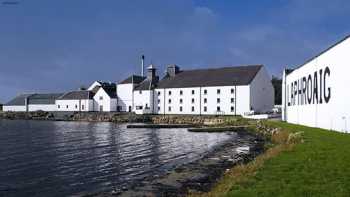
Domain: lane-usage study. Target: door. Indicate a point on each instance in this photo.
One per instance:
(101, 107)
(129, 108)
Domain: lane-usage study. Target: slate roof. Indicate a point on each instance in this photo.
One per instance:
(77, 95)
(111, 90)
(133, 79)
(225, 76)
(147, 85)
(34, 99)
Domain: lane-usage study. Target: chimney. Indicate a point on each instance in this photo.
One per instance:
(172, 70)
(151, 73)
(142, 65)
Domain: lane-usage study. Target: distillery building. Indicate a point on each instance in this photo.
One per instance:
(316, 93)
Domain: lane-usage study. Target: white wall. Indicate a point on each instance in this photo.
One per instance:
(334, 114)
(74, 105)
(14, 108)
(144, 99)
(262, 92)
(93, 85)
(125, 96)
(102, 99)
(42, 107)
(241, 106)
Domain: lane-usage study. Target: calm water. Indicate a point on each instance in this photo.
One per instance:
(42, 158)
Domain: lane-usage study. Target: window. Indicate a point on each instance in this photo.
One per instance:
(192, 91)
(205, 100)
(67, 106)
(192, 108)
(169, 101)
(169, 108)
(205, 108)
(218, 91)
(218, 100)
(181, 92)
(192, 100)
(101, 97)
(140, 91)
(158, 93)
(232, 100)
(232, 109)
(181, 108)
(147, 106)
(82, 107)
(218, 108)
(76, 106)
(232, 91)
(180, 101)
(139, 107)
(59, 106)
(205, 91)
(158, 101)
(158, 108)
(169, 92)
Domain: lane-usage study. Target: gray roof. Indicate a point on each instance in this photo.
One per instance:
(111, 90)
(77, 95)
(147, 84)
(133, 79)
(226, 76)
(34, 99)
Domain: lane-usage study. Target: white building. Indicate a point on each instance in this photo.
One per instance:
(223, 91)
(125, 89)
(315, 94)
(76, 101)
(32, 102)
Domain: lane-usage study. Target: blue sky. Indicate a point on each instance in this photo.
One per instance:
(55, 46)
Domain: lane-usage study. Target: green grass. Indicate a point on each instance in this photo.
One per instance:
(318, 167)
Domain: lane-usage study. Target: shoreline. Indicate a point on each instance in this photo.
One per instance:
(199, 175)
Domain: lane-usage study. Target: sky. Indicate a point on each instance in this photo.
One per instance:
(60, 45)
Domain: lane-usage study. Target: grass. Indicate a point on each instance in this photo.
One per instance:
(319, 166)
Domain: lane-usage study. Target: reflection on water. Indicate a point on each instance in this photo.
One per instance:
(42, 158)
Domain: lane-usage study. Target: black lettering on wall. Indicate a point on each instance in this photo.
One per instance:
(304, 90)
(315, 92)
(320, 86)
(295, 92)
(327, 73)
(309, 89)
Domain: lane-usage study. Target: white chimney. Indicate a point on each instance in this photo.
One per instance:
(142, 65)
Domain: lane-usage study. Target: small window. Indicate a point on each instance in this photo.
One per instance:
(139, 107)
(169, 92)
(76, 106)
(146, 105)
(218, 91)
(218, 100)
(232, 109)
(101, 97)
(205, 108)
(192, 100)
(192, 91)
(232, 91)
(82, 107)
(205, 100)
(181, 108)
(169, 108)
(180, 101)
(218, 108)
(158, 93)
(181, 92)
(158, 100)
(232, 100)
(205, 91)
(67, 106)
(59, 106)
(169, 101)
(140, 91)
(158, 108)
(192, 108)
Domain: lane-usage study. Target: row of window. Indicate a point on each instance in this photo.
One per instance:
(76, 107)
(204, 100)
(218, 91)
(205, 109)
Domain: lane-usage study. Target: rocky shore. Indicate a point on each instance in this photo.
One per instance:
(197, 176)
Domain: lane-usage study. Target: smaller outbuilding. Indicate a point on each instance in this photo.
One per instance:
(80, 100)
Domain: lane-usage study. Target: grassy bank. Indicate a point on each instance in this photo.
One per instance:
(319, 166)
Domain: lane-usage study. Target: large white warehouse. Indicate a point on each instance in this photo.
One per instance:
(315, 94)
